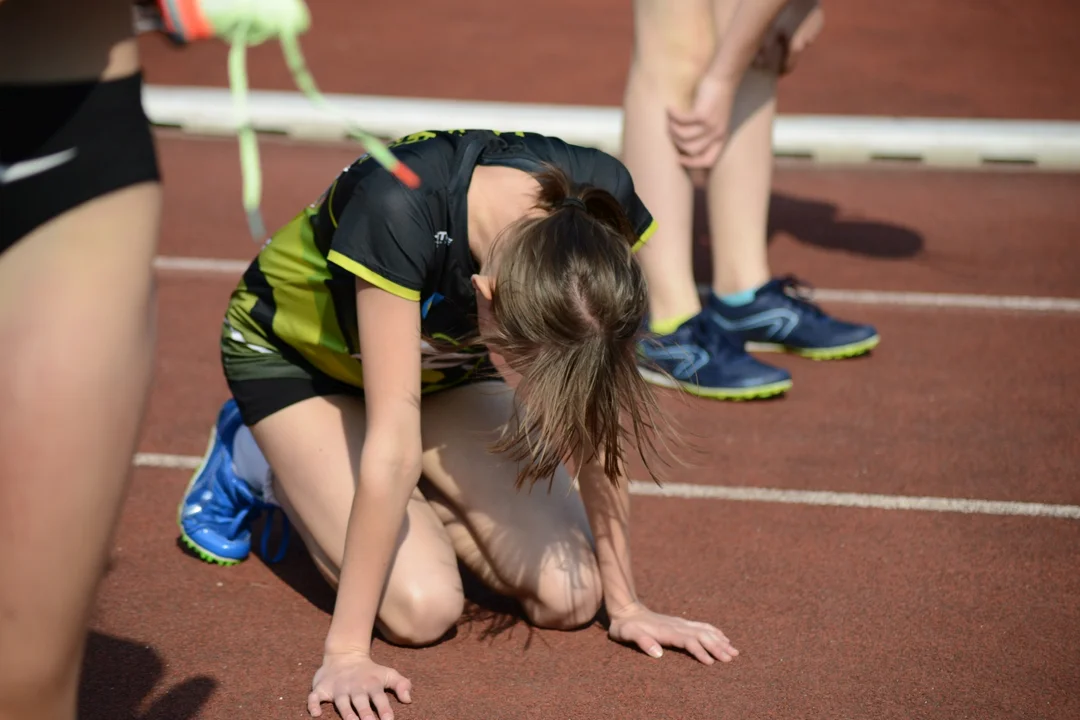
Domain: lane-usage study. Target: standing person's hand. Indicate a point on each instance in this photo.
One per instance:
(792, 32)
(699, 134)
(766, 34)
(805, 32)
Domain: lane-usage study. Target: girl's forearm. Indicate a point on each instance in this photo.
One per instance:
(378, 511)
(608, 510)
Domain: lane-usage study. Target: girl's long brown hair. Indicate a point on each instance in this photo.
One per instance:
(568, 304)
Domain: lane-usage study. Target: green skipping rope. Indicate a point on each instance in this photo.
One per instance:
(284, 19)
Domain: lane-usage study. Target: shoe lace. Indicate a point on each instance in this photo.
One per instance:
(241, 495)
(799, 293)
(286, 532)
(706, 335)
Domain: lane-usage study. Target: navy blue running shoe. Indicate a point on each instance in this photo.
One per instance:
(781, 317)
(705, 361)
(218, 507)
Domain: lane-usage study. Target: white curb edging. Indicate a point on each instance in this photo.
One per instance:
(823, 138)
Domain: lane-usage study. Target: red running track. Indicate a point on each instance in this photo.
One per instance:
(839, 612)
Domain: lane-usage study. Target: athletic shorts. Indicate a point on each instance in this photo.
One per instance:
(263, 382)
(64, 144)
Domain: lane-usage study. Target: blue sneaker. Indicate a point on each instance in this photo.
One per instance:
(781, 317)
(704, 361)
(218, 507)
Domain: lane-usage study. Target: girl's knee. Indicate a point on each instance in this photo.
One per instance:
(566, 598)
(421, 615)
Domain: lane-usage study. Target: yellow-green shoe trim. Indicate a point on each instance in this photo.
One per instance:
(830, 353)
(758, 392)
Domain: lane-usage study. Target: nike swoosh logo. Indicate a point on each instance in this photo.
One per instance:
(34, 166)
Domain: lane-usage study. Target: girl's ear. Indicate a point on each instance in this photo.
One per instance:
(483, 284)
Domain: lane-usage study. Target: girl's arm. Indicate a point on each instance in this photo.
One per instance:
(608, 509)
(389, 462)
(389, 471)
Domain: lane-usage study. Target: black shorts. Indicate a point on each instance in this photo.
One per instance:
(259, 399)
(263, 383)
(64, 144)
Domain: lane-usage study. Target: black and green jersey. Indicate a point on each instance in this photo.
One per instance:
(299, 294)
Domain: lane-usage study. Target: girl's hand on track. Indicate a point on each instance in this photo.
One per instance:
(649, 631)
(355, 683)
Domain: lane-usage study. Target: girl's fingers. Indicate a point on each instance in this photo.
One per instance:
(648, 644)
(314, 704)
(382, 704)
(345, 707)
(363, 704)
(719, 649)
(715, 631)
(692, 646)
(401, 686)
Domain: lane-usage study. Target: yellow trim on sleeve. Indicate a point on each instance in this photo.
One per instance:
(372, 277)
(649, 231)
(330, 204)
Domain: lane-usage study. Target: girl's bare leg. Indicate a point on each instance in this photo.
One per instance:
(313, 448)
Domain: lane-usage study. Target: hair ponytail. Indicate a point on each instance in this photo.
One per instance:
(557, 194)
(568, 306)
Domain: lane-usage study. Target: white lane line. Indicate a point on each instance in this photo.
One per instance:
(951, 300)
(167, 461)
(856, 500)
(1020, 303)
(213, 266)
(769, 495)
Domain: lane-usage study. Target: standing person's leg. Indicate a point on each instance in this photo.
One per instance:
(79, 217)
(77, 328)
(744, 303)
(740, 183)
(673, 45)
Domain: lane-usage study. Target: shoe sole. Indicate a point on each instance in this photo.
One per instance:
(757, 392)
(204, 554)
(195, 547)
(831, 353)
